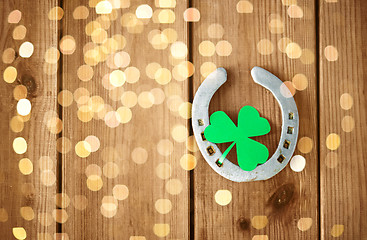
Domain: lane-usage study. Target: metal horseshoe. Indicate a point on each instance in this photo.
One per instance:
(211, 152)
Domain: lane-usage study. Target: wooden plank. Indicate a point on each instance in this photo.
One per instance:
(27, 178)
(343, 69)
(281, 207)
(135, 155)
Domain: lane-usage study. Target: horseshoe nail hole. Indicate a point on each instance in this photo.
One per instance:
(203, 136)
(201, 122)
(291, 115)
(290, 130)
(210, 150)
(219, 163)
(286, 144)
(281, 158)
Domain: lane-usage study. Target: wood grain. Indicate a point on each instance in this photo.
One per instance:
(136, 215)
(292, 202)
(343, 170)
(18, 191)
(288, 196)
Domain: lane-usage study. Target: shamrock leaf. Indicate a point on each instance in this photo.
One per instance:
(249, 152)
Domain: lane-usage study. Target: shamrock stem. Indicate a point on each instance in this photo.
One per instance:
(221, 159)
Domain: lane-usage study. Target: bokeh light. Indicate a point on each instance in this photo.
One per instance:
(333, 141)
(103, 7)
(161, 229)
(67, 45)
(10, 74)
(259, 222)
(163, 170)
(304, 224)
(163, 206)
(19, 145)
(19, 32)
(223, 197)
(25, 166)
(144, 11)
(191, 15)
(188, 162)
(14, 16)
(244, 6)
(297, 163)
(20, 92)
(19, 233)
(26, 50)
(174, 186)
(120, 192)
(80, 12)
(56, 13)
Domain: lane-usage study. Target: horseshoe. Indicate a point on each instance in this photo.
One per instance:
(211, 152)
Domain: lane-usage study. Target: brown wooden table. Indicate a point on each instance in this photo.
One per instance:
(107, 152)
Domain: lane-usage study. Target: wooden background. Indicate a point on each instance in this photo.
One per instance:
(107, 159)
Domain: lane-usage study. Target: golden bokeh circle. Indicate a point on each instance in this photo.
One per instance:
(16, 124)
(346, 101)
(8, 55)
(215, 30)
(174, 186)
(80, 12)
(265, 47)
(85, 73)
(94, 183)
(300, 82)
(191, 15)
(161, 229)
(145, 99)
(293, 50)
(348, 123)
(14, 16)
(333, 141)
(305, 145)
(111, 170)
(179, 133)
(304, 224)
(129, 99)
(331, 160)
(83, 149)
(259, 222)
(20, 92)
(244, 6)
(62, 200)
(120, 192)
(55, 13)
(223, 48)
(67, 45)
(163, 170)
(223, 197)
(331, 53)
(163, 206)
(295, 11)
(125, 114)
(206, 48)
(25, 166)
(188, 162)
(337, 230)
(19, 32)
(163, 76)
(27, 213)
(139, 155)
(10, 74)
(19, 145)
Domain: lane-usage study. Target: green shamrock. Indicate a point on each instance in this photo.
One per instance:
(249, 152)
